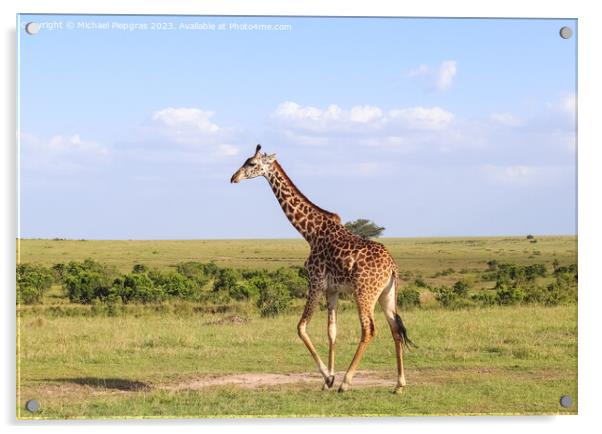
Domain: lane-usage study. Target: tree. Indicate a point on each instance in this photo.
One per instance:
(364, 228)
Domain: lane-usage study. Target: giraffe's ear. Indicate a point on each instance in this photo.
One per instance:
(271, 157)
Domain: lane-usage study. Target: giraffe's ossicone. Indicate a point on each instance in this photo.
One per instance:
(338, 261)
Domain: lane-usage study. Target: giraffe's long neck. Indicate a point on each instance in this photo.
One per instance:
(305, 216)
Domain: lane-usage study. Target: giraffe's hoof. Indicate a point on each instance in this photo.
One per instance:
(344, 387)
(398, 390)
(328, 382)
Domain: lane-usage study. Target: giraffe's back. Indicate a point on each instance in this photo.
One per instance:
(349, 261)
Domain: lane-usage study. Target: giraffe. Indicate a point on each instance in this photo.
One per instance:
(338, 261)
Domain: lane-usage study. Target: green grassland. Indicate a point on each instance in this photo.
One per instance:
(147, 361)
(421, 256)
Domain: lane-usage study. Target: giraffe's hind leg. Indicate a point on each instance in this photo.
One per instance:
(388, 303)
(368, 332)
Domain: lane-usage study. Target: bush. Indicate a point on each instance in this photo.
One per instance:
(534, 271)
(420, 283)
(507, 295)
(85, 286)
(260, 282)
(139, 268)
(198, 272)
(293, 279)
(484, 298)
(536, 294)
(32, 282)
(273, 299)
(408, 297)
(570, 269)
(59, 272)
(515, 275)
(73, 268)
(193, 269)
(461, 288)
(449, 298)
(563, 290)
(174, 284)
(138, 287)
(445, 295)
(87, 280)
(251, 274)
(225, 280)
(243, 291)
(90, 282)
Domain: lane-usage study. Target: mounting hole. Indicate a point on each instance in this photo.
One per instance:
(32, 28)
(566, 32)
(566, 401)
(32, 405)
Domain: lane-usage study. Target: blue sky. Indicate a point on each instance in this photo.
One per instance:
(430, 127)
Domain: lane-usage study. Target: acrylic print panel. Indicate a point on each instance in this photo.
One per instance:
(426, 167)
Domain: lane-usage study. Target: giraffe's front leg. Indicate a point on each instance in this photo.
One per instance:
(310, 306)
(332, 298)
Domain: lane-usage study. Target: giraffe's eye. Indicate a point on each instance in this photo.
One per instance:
(252, 164)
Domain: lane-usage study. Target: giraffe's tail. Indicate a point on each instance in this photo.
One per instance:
(401, 328)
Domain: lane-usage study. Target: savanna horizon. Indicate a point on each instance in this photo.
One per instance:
(415, 253)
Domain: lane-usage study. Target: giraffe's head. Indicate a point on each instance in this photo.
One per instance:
(257, 165)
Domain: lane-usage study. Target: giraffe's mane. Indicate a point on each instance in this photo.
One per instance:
(329, 214)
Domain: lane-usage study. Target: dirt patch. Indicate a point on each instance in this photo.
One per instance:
(425, 376)
(257, 380)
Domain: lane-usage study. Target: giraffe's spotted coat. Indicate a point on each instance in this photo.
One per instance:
(338, 261)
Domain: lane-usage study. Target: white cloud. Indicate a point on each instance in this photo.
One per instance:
(182, 132)
(523, 175)
(74, 143)
(331, 118)
(563, 107)
(400, 129)
(422, 118)
(440, 78)
(568, 104)
(445, 74)
(184, 118)
(359, 118)
(365, 114)
(61, 152)
(506, 119)
(293, 111)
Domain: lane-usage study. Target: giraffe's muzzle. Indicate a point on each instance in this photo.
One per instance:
(235, 178)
